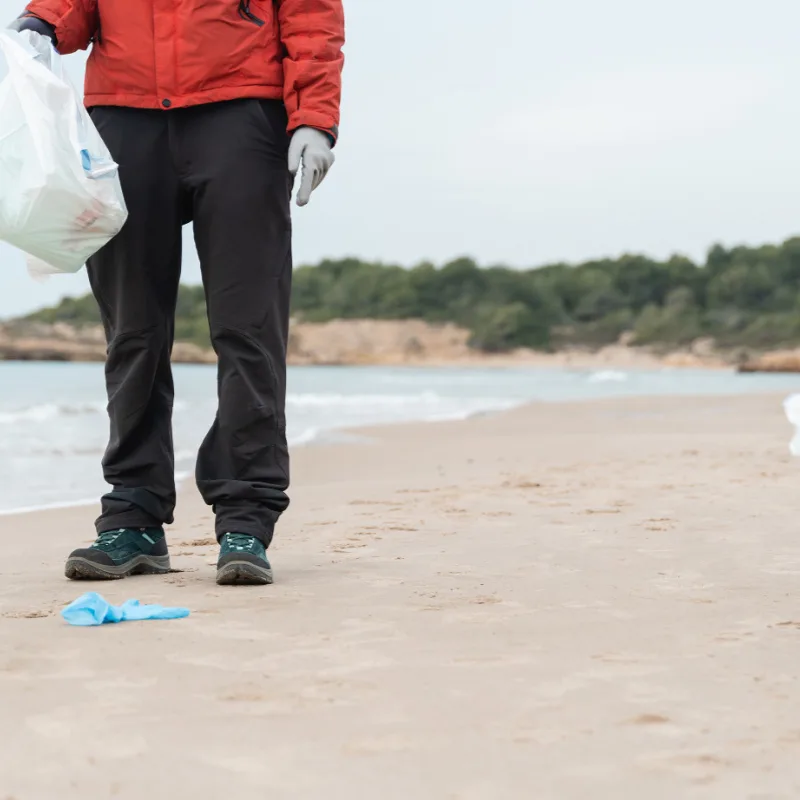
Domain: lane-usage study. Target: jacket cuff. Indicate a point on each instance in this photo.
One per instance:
(311, 119)
(30, 22)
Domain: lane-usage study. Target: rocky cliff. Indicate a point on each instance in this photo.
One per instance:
(62, 342)
(353, 342)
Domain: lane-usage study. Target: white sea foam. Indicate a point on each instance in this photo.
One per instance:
(48, 411)
(361, 401)
(7, 512)
(33, 414)
(306, 436)
(608, 376)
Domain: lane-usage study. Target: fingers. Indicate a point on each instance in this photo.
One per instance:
(323, 169)
(306, 186)
(296, 150)
(315, 168)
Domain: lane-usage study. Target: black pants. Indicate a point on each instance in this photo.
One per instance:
(224, 167)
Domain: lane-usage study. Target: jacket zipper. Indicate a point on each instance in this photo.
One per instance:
(246, 13)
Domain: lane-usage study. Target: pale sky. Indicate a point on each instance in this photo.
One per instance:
(529, 132)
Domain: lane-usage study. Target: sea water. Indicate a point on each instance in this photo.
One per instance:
(53, 424)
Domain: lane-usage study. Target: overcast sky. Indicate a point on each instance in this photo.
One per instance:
(528, 132)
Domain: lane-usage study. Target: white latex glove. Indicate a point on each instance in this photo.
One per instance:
(312, 149)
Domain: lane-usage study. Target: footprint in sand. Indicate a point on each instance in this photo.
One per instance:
(208, 541)
(27, 614)
(648, 719)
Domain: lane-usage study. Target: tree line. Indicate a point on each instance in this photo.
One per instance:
(740, 296)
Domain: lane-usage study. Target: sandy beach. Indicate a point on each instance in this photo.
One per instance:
(572, 601)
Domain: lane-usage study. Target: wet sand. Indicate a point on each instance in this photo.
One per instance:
(580, 601)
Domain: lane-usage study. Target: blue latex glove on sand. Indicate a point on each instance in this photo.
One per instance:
(93, 609)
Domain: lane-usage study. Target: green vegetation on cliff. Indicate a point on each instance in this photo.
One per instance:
(741, 297)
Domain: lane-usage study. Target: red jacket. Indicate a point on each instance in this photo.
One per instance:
(177, 53)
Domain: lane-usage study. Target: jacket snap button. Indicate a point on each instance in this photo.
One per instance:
(166, 103)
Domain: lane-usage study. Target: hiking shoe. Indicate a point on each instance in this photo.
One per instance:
(119, 553)
(243, 561)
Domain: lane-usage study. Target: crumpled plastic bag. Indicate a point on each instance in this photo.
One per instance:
(93, 609)
(60, 195)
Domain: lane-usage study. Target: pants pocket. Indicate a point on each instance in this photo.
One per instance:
(272, 122)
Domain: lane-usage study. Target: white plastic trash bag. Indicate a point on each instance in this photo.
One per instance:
(60, 196)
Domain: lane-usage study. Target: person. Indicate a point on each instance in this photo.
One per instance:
(210, 108)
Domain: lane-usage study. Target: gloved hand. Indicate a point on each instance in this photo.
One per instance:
(314, 150)
(28, 23)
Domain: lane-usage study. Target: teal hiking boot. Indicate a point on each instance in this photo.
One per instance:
(119, 553)
(243, 561)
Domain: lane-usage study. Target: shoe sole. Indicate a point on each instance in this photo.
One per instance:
(82, 569)
(243, 573)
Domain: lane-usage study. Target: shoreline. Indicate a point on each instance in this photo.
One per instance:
(331, 437)
(357, 434)
(26, 510)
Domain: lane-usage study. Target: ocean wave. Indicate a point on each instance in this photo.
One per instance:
(33, 414)
(327, 399)
(61, 452)
(608, 376)
(462, 414)
(8, 512)
(304, 437)
(48, 411)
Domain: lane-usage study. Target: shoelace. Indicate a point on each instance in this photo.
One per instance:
(106, 539)
(240, 541)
